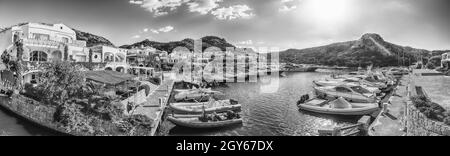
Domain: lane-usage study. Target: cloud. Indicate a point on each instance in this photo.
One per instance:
(136, 36)
(159, 7)
(136, 2)
(203, 6)
(166, 29)
(288, 5)
(286, 8)
(248, 42)
(233, 12)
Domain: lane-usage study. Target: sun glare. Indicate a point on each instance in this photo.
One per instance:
(328, 11)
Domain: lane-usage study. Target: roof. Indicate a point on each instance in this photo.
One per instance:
(108, 77)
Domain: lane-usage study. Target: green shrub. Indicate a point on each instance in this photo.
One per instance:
(420, 101)
(139, 120)
(447, 120)
(430, 109)
(33, 93)
(72, 119)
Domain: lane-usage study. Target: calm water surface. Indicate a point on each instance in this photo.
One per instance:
(13, 126)
(273, 114)
(266, 114)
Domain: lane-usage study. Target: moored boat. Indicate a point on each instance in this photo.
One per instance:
(194, 94)
(224, 120)
(350, 93)
(205, 107)
(339, 106)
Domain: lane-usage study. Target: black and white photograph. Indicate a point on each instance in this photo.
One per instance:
(224, 68)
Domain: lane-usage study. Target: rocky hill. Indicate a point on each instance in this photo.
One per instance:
(208, 41)
(92, 40)
(369, 49)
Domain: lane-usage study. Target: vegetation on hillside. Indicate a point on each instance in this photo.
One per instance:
(208, 41)
(92, 40)
(370, 49)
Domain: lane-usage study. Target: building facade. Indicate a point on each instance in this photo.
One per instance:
(42, 43)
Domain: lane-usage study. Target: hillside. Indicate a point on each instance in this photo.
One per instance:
(369, 49)
(208, 41)
(92, 40)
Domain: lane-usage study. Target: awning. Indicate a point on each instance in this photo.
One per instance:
(108, 77)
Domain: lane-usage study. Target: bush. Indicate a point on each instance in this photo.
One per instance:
(73, 120)
(155, 81)
(430, 109)
(447, 120)
(60, 81)
(430, 66)
(33, 93)
(139, 120)
(420, 101)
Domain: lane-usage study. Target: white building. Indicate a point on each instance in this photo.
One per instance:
(114, 57)
(43, 43)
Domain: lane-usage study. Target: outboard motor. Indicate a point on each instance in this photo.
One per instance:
(303, 99)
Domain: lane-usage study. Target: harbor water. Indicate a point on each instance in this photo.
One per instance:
(273, 113)
(11, 125)
(266, 112)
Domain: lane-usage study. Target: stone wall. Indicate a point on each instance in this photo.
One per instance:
(417, 124)
(34, 112)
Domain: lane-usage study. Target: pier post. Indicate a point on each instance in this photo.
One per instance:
(364, 124)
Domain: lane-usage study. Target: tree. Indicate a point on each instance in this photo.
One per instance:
(90, 55)
(61, 81)
(435, 60)
(66, 53)
(16, 66)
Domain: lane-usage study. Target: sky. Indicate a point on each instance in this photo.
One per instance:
(246, 23)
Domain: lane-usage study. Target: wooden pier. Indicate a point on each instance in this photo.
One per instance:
(155, 104)
(359, 129)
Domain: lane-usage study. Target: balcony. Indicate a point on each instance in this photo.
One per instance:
(45, 43)
(52, 43)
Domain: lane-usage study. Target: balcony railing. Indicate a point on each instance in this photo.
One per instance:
(33, 41)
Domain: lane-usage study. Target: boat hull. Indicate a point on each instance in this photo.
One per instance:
(351, 98)
(348, 112)
(195, 123)
(199, 110)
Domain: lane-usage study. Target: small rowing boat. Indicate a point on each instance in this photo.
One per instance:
(207, 121)
(339, 106)
(206, 107)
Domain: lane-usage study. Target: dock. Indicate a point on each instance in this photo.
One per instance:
(155, 104)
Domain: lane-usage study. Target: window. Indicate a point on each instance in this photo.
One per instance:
(38, 56)
(95, 56)
(33, 79)
(65, 40)
(41, 36)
